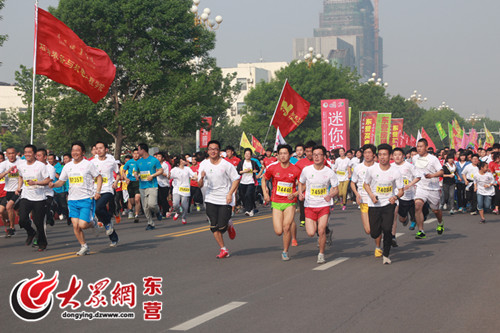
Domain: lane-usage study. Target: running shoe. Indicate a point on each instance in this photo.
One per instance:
(158, 216)
(495, 211)
(150, 227)
(483, 221)
(386, 261)
(452, 212)
(125, 212)
(61, 217)
(394, 242)
(321, 258)
(118, 218)
(420, 235)
(35, 242)
(176, 216)
(247, 213)
(130, 215)
(29, 239)
(168, 215)
(302, 223)
(109, 229)
(7, 233)
(473, 213)
(413, 225)
(222, 254)
(294, 242)
(113, 244)
(184, 221)
(83, 250)
(343, 207)
(12, 231)
(198, 208)
(95, 222)
(405, 223)
(378, 253)
(284, 256)
(136, 219)
(440, 228)
(250, 213)
(230, 230)
(461, 210)
(42, 248)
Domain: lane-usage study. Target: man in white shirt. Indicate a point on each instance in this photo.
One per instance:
(343, 171)
(469, 172)
(9, 170)
(41, 156)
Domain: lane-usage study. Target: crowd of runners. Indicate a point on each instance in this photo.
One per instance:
(388, 186)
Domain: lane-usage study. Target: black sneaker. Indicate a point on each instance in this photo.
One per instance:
(8, 233)
(12, 232)
(50, 221)
(29, 239)
(394, 243)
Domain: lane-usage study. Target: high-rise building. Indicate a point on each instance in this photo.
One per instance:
(346, 27)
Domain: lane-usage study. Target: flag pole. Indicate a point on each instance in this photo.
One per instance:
(276, 109)
(34, 72)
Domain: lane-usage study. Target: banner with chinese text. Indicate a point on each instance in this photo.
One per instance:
(335, 123)
(206, 134)
(383, 128)
(367, 122)
(396, 132)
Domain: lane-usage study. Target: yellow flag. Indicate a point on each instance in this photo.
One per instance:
(245, 143)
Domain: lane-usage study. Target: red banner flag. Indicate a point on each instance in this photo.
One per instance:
(63, 57)
(291, 110)
(406, 140)
(258, 147)
(396, 131)
(206, 134)
(335, 123)
(368, 122)
(413, 141)
(428, 138)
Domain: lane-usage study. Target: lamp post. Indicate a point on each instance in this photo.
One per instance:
(204, 18)
(444, 106)
(417, 98)
(310, 58)
(377, 81)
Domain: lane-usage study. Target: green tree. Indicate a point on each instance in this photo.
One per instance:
(3, 38)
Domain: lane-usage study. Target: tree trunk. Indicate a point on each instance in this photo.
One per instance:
(118, 142)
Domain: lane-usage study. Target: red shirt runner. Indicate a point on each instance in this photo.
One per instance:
(268, 160)
(283, 181)
(233, 160)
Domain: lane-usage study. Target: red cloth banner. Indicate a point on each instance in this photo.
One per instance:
(63, 57)
(257, 145)
(428, 138)
(335, 123)
(406, 140)
(206, 134)
(413, 141)
(367, 127)
(396, 131)
(290, 112)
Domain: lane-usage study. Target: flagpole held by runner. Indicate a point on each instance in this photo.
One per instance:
(34, 73)
(277, 104)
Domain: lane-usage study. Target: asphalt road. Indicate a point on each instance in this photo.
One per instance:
(447, 283)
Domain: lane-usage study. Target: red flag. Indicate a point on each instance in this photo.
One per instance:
(428, 138)
(206, 134)
(413, 141)
(291, 110)
(406, 139)
(63, 57)
(258, 147)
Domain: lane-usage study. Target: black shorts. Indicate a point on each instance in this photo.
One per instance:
(10, 196)
(133, 189)
(219, 216)
(405, 206)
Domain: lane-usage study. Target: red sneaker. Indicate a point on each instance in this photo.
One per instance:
(294, 242)
(118, 218)
(230, 231)
(223, 254)
(176, 216)
(184, 221)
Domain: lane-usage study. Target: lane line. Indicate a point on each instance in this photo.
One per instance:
(431, 220)
(59, 259)
(399, 234)
(330, 264)
(49, 257)
(207, 316)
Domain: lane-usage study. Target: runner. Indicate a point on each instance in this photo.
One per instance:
(60, 193)
(301, 164)
(341, 168)
(33, 178)
(484, 183)
(315, 181)
(163, 184)
(106, 165)
(380, 183)
(248, 169)
(284, 177)
(428, 190)
(196, 194)
(181, 175)
(148, 168)
(9, 170)
(494, 166)
(362, 199)
(82, 193)
(221, 181)
(134, 195)
(3, 193)
(41, 156)
(468, 173)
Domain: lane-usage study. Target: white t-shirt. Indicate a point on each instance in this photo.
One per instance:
(317, 184)
(181, 180)
(358, 177)
(218, 180)
(354, 162)
(105, 169)
(247, 178)
(486, 179)
(341, 167)
(36, 171)
(409, 173)
(163, 180)
(427, 165)
(81, 179)
(384, 184)
(469, 173)
(11, 179)
(52, 175)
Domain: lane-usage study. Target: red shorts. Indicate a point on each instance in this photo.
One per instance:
(314, 213)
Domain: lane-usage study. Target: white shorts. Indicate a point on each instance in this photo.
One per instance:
(432, 197)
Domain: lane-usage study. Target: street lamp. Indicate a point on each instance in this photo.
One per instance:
(444, 106)
(377, 81)
(204, 18)
(417, 98)
(310, 58)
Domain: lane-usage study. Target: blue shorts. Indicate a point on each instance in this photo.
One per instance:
(82, 209)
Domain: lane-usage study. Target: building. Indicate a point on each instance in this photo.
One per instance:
(346, 27)
(248, 75)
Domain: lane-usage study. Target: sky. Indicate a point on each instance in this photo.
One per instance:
(447, 50)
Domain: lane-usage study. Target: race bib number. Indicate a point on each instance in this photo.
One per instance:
(284, 189)
(384, 189)
(76, 180)
(26, 181)
(341, 173)
(184, 189)
(318, 191)
(145, 175)
(406, 181)
(471, 176)
(104, 180)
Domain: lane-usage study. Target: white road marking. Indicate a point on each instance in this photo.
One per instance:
(207, 316)
(398, 234)
(430, 220)
(330, 264)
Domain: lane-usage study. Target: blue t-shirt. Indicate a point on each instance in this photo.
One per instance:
(293, 160)
(259, 165)
(130, 167)
(65, 188)
(148, 167)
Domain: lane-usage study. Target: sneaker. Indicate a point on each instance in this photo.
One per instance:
(405, 223)
(42, 248)
(113, 244)
(222, 254)
(83, 250)
(495, 211)
(61, 217)
(473, 213)
(343, 207)
(294, 242)
(50, 220)
(130, 215)
(420, 235)
(35, 242)
(125, 212)
(394, 243)
(302, 223)
(136, 219)
(109, 229)
(250, 213)
(378, 253)
(68, 221)
(230, 230)
(184, 221)
(12, 231)
(198, 208)
(386, 261)
(29, 239)
(461, 210)
(413, 225)
(150, 227)
(483, 221)
(118, 218)
(158, 216)
(452, 212)
(284, 256)
(176, 216)
(440, 228)
(247, 213)
(7, 233)
(321, 258)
